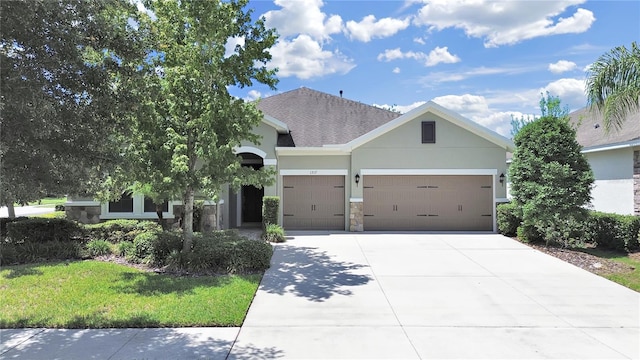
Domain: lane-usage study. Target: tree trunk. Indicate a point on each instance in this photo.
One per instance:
(11, 210)
(160, 217)
(188, 219)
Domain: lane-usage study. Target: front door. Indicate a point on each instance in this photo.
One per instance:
(252, 204)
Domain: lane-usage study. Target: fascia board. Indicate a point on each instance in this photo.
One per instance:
(281, 127)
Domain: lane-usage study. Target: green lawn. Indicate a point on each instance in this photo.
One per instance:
(629, 279)
(94, 294)
(46, 202)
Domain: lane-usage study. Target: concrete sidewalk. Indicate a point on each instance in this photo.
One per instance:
(400, 296)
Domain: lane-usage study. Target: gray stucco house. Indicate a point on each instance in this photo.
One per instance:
(344, 165)
(614, 157)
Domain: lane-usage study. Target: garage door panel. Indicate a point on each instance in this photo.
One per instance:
(313, 202)
(440, 202)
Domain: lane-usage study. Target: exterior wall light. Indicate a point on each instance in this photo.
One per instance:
(502, 179)
(357, 179)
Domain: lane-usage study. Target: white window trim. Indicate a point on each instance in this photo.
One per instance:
(138, 211)
(364, 172)
(251, 150)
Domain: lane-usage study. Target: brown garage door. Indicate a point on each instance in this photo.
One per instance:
(442, 202)
(313, 202)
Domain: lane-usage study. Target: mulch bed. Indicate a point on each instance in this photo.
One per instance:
(586, 261)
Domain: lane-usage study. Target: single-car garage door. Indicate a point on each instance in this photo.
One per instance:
(313, 202)
(434, 202)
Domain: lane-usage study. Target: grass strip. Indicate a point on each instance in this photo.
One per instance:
(94, 294)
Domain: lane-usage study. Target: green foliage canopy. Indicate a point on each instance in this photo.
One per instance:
(59, 108)
(550, 178)
(186, 125)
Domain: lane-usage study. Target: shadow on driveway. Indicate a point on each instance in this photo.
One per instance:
(310, 273)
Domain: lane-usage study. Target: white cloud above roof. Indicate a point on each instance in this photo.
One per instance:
(504, 22)
(570, 91)
(562, 66)
(369, 28)
(435, 56)
(305, 58)
(303, 17)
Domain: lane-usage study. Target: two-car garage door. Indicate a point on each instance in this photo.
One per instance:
(442, 202)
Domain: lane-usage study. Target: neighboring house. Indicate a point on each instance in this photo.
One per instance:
(615, 160)
(344, 165)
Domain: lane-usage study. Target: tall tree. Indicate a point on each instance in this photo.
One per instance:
(613, 85)
(58, 64)
(550, 178)
(187, 125)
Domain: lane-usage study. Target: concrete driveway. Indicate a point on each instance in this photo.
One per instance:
(425, 296)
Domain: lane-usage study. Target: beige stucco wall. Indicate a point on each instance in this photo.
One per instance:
(268, 140)
(455, 148)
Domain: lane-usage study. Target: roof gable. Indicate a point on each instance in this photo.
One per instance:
(316, 119)
(443, 113)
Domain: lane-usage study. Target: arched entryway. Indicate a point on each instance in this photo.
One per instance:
(249, 200)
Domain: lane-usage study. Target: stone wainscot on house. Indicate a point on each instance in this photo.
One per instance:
(614, 157)
(344, 165)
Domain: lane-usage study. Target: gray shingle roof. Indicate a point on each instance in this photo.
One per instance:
(316, 118)
(591, 133)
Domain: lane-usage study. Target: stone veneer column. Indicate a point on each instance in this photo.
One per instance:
(356, 216)
(636, 182)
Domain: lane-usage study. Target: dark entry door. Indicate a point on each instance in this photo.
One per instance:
(252, 204)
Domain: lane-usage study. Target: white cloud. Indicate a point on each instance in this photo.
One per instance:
(253, 95)
(303, 17)
(230, 46)
(370, 28)
(570, 91)
(396, 70)
(435, 56)
(459, 75)
(419, 40)
(505, 22)
(403, 109)
(305, 58)
(562, 66)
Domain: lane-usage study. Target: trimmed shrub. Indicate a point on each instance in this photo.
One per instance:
(614, 231)
(30, 252)
(116, 231)
(5, 221)
(250, 256)
(143, 246)
(223, 252)
(98, 248)
(270, 206)
(274, 233)
(509, 217)
(59, 208)
(43, 230)
(166, 243)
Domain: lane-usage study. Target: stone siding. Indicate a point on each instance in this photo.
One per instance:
(636, 182)
(356, 216)
(83, 214)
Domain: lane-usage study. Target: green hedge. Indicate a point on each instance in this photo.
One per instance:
(38, 230)
(5, 221)
(509, 217)
(270, 206)
(116, 231)
(224, 252)
(30, 252)
(614, 231)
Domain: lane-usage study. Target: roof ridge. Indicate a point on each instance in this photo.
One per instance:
(340, 98)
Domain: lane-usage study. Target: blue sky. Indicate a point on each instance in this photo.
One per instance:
(487, 60)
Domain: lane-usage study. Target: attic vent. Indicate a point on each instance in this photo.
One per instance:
(596, 126)
(340, 93)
